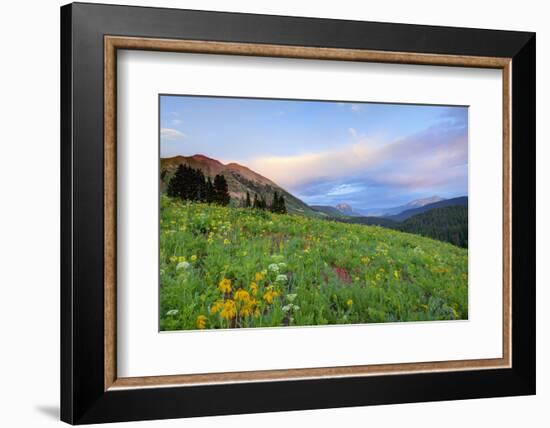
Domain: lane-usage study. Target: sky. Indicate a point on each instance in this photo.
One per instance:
(368, 155)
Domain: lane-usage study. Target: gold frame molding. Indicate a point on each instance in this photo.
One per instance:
(113, 43)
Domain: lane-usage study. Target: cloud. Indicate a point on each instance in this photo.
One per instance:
(354, 107)
(293, 171)
(176, 121)
(353, 132)
(170, 134)
(435, 159)
(344, 189)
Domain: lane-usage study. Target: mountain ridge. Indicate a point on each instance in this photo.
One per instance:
(240, 179)
(404, 215)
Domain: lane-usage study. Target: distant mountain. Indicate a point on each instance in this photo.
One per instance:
(384, 212)
(240, 179)
(328, 211)
(345, 208)
(404, 215)
(340, 210)
(417, 203)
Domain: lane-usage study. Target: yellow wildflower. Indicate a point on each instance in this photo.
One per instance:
(201, 321)
(253, 288)
(248, 309)
(225, 285)
(181, 259)
(365, 259)
(259, 276)
(242, 295)
(229, 310)
(269, 295)
(349, 303)
(226, 241)
(396, 274)
(216, 307)
(173, 259)
(193, 257)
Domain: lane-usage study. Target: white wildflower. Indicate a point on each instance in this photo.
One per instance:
(281, 278)
(273, 267)
(183, 265)
(291, 297)
(172, 312)
(290, 307)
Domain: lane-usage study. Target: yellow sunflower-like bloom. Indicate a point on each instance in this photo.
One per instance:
(201, 322)
(349, 303)
(246, 310)
(193, 257)
(253, 288)
(216, 307)
(242, 295)
(225, 285)
(229, 310)
(259, 276)
(270, 295)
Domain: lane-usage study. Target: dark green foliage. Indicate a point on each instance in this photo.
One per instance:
(247, 203)
(259, 202)
(191, 185)
(209, 191)
(462, 200)
(221, 191)
(282, 205)
(278, 203)
(449, 224)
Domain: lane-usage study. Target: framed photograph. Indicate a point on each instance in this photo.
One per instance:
(265, 213)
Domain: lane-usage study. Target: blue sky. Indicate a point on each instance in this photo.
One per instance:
(366, 154)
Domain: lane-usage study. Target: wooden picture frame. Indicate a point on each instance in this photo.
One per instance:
(91, 390)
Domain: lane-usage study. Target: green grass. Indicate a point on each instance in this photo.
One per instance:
(294, 270)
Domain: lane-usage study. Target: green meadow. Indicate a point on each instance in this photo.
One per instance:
(227, 267)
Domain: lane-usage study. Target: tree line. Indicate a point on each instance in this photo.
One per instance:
(449, 224)
(191, 184)
(277, 204)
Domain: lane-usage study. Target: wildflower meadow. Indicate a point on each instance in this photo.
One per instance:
(228, 267)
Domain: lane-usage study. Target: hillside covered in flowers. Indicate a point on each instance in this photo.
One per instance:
(223, 267)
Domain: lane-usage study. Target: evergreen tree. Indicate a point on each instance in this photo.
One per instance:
(177, 183)
(247, 202)
(221, 190)
(185, 181)
(274, 207)
(256, 204)
(210, 194)
(281, 205)
(201, 186)
(263, 203)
